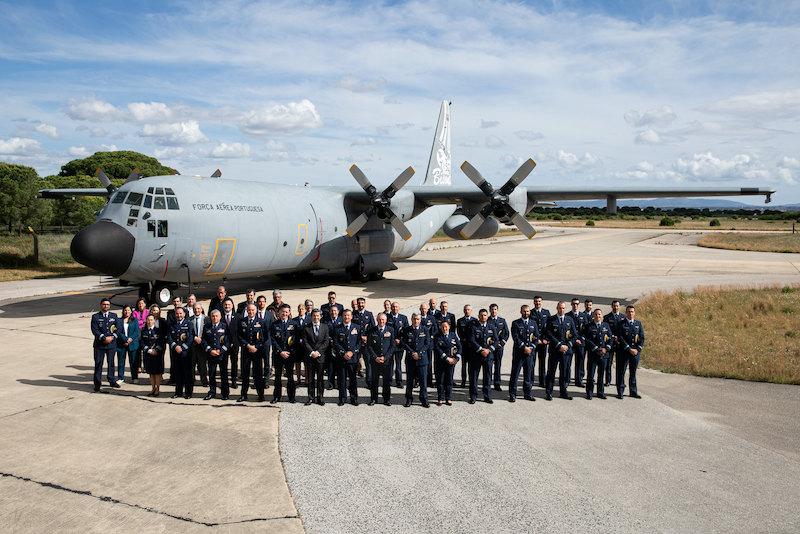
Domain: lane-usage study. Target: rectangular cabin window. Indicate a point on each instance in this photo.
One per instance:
(150, 190)
(119, 197)
(159, 190)
(151, 228)
(131, 222)
(162, 228)
(169, 191)
(134, 199)
(134, 212)
(148, 201)
(159, 204)
(172, 203)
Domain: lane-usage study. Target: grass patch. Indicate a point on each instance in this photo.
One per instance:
(748, 334)
(684, 223)
(755, 242)
(16, 257)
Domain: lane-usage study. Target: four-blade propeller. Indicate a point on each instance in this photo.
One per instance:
(498, 205)
(381, 202)
(105, 180)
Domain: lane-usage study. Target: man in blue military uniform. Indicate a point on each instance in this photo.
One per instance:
(503, 333)
(525, 333)
(283, 335)
(426, 320)
(216, 343)
(581, 320)
(484, 344)
(398, 322)
(104, 344)
(598, 339)
(379, 350)
(325, 309)
(333, 321)
(347, 339)
(541, 316)
(464, 330)
(253, 338)
(447, 351)
(561, 333)
(364, 318)
(614, 318)
(416, 341)
(180, 339)
(441, 315)
(631, 341)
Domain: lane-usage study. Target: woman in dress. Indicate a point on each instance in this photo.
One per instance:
(140, 313)
(152, 344)
(127, 344)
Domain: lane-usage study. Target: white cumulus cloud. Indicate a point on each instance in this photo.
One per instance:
(648, 137)
(762, 105)
(79, 151)
(292, 117)
(707, 166)
(661, 116)
(174, 133)
(492, 141)
(568, 160)
(150, 112)
(92, 109)
(231, 150)
(169, 152)
(47, 129)
(19, 146)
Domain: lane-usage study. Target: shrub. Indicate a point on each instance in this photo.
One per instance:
(714, 222)
(590, 223)
(666, 221)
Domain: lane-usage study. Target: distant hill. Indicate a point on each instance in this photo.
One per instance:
(667, 203)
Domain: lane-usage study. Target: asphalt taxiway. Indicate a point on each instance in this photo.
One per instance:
(693, 455)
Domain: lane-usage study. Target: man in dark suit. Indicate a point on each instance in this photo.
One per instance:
(316, 339)
(614, 319)
(216, 302)
(326, 308)
(104, 332)
(250, 298)
(231, 321)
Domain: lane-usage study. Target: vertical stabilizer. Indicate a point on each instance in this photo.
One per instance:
(439, 162)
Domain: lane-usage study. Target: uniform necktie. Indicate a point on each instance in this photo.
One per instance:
(316, 330)
(197, 324)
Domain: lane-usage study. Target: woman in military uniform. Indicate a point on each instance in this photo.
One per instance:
(152, 344)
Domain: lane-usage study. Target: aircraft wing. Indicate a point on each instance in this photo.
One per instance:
(66, 193)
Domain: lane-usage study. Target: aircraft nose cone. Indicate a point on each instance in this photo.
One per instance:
(103, 246)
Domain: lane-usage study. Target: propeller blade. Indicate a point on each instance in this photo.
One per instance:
(361, 178)
(524, 226)
(476, 177)
(401, 180)
(217, 174)
(399, 227)
(134, 175)
(358, 223)
(472, 226)
(104, 180)
(524, 170)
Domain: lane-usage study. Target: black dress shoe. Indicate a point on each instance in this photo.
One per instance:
(530, 399)
(426, 404)
(488, 401)
(204, 383)
(619, 396)
(407, 403)
(174, 396)
(602, 396)
(274, 400)
(225, 397)
(398, 384)
(308, 402)
(329, 387)
(636, 396)
(234, 385)
(261, 397)
(463, 384)
(321, 402)
(580, 384)
(387, 403)
(497, 387)
(97, 389)
(512, 399)
(548, 397)
(471, 400)
(371, 403)
(448, 403)
(292, 401)
(340, 403)
(115, 385)
(566, 396)
(588, 396)
(354, 402)
(187, 397)
(208, 397)
(242, 398)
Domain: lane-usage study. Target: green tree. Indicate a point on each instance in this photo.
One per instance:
(19, 205)
(116, 164)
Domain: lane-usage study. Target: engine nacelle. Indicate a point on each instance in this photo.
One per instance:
(403, 204)
(519, 201)
(453, 225)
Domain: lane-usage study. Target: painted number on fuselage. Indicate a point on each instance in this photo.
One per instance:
(223, 256)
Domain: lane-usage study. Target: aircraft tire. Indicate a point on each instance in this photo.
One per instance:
(162, 294)
(358, 272)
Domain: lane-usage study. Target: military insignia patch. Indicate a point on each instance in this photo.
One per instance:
(258, 336)
(489, 340)
(387, 334)
(636, 338)
(290, 341)
(354, 331)
(605, 338)
(453, 351)
(569, 334)
(221, 340)
(531, 338)
(183, 336)
(113, 328)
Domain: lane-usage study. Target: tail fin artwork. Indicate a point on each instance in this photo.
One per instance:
(439, 164)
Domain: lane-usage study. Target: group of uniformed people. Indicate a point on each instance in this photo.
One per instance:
(337, 346)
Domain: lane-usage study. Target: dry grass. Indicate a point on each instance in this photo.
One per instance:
(748, 334)
(683, 224)
(16, 257)
(757, 242)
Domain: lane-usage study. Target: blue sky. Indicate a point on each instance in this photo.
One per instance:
(599, 93)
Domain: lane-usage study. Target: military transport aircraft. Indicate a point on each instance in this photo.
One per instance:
(162, 232)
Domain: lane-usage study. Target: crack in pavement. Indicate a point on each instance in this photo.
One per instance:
(37, 407)
(230, 405)
(112, 500)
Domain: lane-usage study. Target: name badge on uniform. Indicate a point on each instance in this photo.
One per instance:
(421, 334)
(290, 327)
(257, 325)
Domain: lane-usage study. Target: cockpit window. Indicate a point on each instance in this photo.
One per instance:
(169, 191)
(159, 204)
(119, 197)
(159, 190)
(134, 199)
(172, 203)
(150, 190)
(148, 201)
